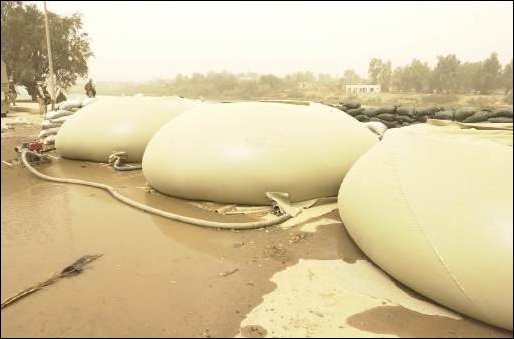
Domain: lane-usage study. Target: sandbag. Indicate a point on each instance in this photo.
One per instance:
(371, 111)
(425, 111)
(362, 118)
(387, 116)
(236, 152)
(355, 111)
(385, 109)
(500, 120)
(49, 140)
(501, 112)
(392, 124)
(50, 131)
(432, 206)
(479, 116)
(405, 118)
(377, 120)
(351, 104)
(445, 115)
(377, 127)
(406, 111)
(74, 103)
(388, 123)
(116, 124)
(343, 108)
(462, 113)
(49, 124)
(61, 120)
(57, 114)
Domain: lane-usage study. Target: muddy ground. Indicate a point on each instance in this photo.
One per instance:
(160, 278)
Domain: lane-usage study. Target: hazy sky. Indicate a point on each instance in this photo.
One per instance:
(145, 40)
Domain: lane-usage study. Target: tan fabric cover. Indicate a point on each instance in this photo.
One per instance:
(236, 152)
(116, 124)
(432, 206)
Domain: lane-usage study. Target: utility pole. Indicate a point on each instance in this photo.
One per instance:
(50, 63)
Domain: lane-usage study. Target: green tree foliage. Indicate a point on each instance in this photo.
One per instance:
(350, 77)
(418, 75)
(381, 73)
(490, 74)
(469, 77)
(386, 76)
(507, 77)
(325, 78)
(375, 67)
(414, 77)
(24, 51)
(271, 82)
(445, 77)
(399, 79)
(449, 75)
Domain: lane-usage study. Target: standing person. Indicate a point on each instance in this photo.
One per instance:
(12, 92)
(48, 96)
(90, 89)
(41, 97)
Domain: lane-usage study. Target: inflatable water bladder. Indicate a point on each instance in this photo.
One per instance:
(432, 206)
(111, 124)
(236, 152)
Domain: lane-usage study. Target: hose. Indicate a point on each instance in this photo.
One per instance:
(119, 165)
(146, 208)
(117, 159)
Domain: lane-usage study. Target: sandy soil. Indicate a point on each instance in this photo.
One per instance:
(157, 277)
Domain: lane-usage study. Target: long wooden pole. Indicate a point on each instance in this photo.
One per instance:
(50, 63)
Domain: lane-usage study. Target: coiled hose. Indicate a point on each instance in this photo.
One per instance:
(146, 208)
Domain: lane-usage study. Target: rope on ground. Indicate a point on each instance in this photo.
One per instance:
(146, 208)
(73, 269)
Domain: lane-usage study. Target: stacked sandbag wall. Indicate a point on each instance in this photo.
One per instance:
(54, 119)
(399, 116)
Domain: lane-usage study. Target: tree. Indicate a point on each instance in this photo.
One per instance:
(350, 77)
(399, 79)
(23, 45)
(469, 76)
(490, 74)
(381, 73)
(507, 77)
(303, 77)
(273, 82)
(375, 67)
(418, 76)
(325, 79)
(445, 77)
(384, 79)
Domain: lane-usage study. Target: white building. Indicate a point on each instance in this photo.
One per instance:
(362, 89)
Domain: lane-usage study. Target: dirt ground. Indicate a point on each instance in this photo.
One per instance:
(160, 278)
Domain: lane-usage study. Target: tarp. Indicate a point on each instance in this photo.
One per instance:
(236, 152)
(431, 204)
(116, 124)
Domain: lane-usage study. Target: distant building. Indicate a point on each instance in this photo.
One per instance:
(362, 89)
